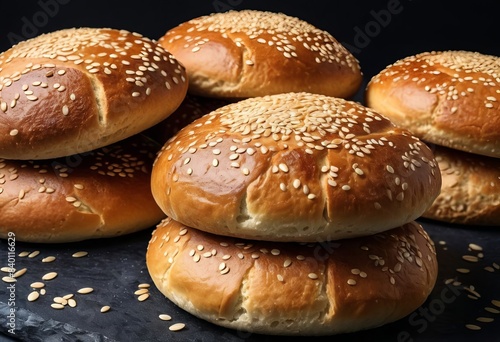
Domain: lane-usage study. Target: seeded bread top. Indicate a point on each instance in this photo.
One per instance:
(294, 167)
(240, 54)
(76, 90)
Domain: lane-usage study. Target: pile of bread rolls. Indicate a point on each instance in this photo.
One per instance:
(290, 210)
(451, 100)
(72, 102)
(280, 206)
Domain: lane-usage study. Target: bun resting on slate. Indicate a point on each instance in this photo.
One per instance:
(290, 288)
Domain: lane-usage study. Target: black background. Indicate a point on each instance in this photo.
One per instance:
(372, 33)
(377, 33)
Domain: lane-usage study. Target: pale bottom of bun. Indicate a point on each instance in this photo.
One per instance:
(276, 288)
(470, 191)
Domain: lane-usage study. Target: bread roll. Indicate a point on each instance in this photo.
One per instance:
(293, 289)
(247, 53)
(470, 191)
(75, 90)
(191, 108)
(102, 193)
(294, 167)
(449, 98)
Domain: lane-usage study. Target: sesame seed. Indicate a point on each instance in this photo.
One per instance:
(283, 167)
(105, 308)
(485, 319)
(34, 295)
(492, 310)
(472, 327)
(85, 290)
(49, 276)
(312, 276)
(177, 327)
(19, 273)
(14, 132)
(8, 279)
(79, 254)
(57, 306)
(470, 258)
(475, 247)
(164, 317)
(351, 281)
(143, 297)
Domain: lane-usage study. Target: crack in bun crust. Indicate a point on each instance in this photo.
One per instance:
(247, 53)
(293, 289)
(294, 167)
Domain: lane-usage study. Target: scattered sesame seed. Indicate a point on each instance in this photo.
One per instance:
(34, 295)
(472, 327)
(49, 259)
(49, 276)
(85, 290)
(177, 327)
(57, 306)
(79, 254)
(105, 308)
(143, 297)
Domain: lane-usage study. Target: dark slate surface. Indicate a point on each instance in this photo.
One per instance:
(377, 33)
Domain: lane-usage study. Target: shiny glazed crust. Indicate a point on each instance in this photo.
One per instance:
(75, 90)
(102, 193)
(293, 289)
(449, 98)
(240, 54)
(294, 167)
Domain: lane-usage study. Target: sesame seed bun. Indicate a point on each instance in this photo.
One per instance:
(75, 90)
(294, 167)
(191, 108)
(247, 53)
(449, 98)
(102, 193)
(293, 289)
(470, 191)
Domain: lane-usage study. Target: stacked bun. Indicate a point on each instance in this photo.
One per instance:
(296, 213)
(450, 99)
(68, 101)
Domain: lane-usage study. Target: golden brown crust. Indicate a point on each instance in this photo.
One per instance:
(293, 289)
(76, 90)
(240, 54)
(449, 98)
(102, 193)
(470, 192)
(294, 167)
(191, 108)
